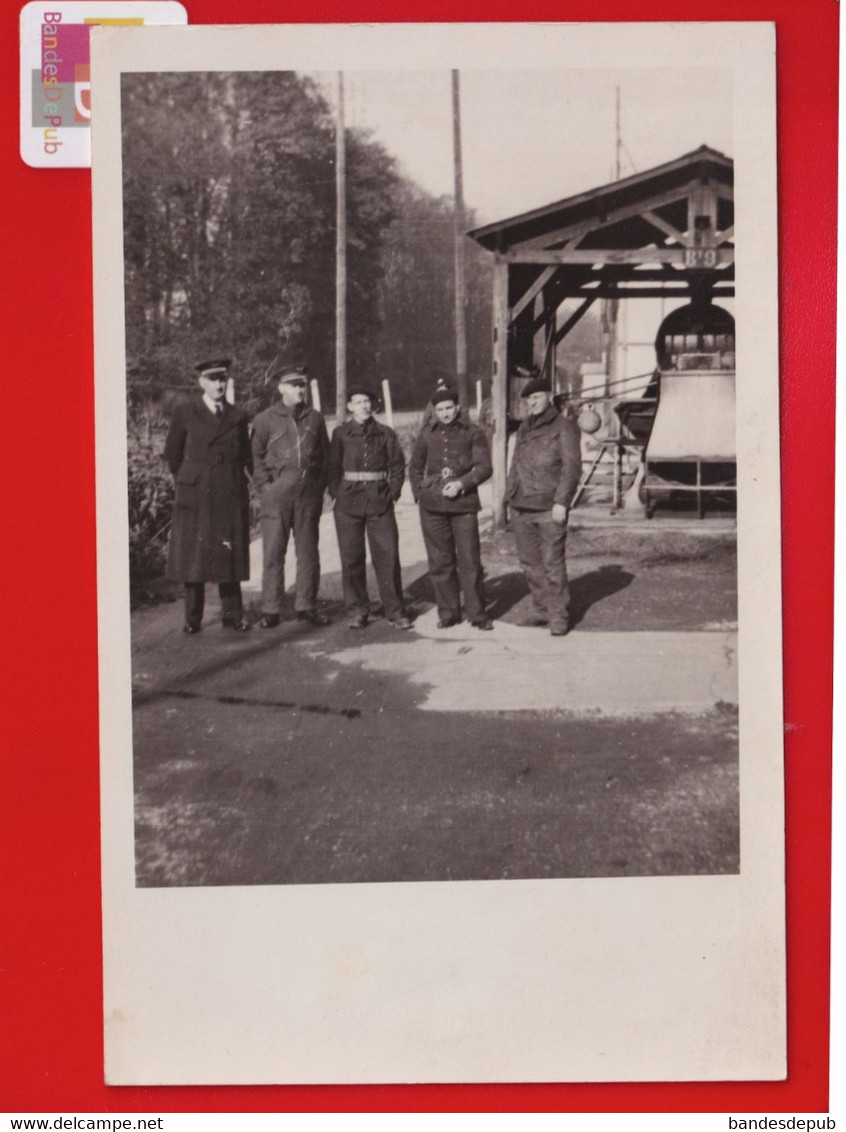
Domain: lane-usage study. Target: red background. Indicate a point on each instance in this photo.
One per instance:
(50, 954)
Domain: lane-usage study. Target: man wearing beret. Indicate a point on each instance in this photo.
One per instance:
(290, 450)
(366, 474)
(208, 452)
(542, 481)
(450, 459)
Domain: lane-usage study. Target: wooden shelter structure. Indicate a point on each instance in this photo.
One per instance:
(665, 233)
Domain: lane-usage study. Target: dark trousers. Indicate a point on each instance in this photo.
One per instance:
(298, 515)
(231, 605)
(541, 544)
(455, 562)
(383, 539)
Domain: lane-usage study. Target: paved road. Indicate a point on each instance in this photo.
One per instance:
(317, 755)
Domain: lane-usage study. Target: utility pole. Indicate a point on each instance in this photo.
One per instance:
(340, 257)
(458, 227)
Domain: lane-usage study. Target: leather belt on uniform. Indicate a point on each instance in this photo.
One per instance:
(365, 477)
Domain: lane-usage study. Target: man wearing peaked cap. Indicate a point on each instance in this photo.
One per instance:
(208, 452)
(220, 365)
(290, 449)
(542, 481)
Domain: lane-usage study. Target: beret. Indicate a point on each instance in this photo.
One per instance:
(444, 394)
(536, 385)
(360, 391)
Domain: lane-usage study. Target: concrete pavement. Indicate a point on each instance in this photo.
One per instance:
(522, 669)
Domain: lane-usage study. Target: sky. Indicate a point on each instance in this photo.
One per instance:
(533, 137)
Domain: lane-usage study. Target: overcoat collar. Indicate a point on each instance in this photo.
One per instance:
(370, 425)
(544, 418)
(216, 424)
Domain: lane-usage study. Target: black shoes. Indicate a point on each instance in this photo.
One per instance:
(312, 617)
(269, 621)
(237, 624)
(357, 623)
(401, 622)
(533, 621)
(477, 623)
(190, 627)
(560, 629)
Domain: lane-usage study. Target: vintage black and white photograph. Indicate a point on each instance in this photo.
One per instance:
(444, 410)
(522, 399)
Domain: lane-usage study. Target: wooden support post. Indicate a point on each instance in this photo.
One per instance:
(388, 403)
(499, 391)
(548, 368)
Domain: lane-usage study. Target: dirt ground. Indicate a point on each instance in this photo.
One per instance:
(281, 758)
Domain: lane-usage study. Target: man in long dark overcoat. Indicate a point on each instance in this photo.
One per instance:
(450, 459)
(208, 452)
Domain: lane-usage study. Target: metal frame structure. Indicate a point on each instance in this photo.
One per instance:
(665, 233)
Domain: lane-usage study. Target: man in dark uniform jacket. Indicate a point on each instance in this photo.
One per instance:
(366, 474)
(208, 452)
(290, 450)
(542, 481)
(450, 459)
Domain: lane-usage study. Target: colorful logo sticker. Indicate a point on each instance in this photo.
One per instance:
(56, 72)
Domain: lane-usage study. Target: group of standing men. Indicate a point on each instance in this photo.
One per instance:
(293, 462)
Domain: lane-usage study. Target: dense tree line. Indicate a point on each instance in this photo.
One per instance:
(229, 229)
(229, 250)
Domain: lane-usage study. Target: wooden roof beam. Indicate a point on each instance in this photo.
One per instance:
(614, 215)
(666, 228)
(562, 331)
(528, 296)
(678, 257)
(725, 292)
(691, 161)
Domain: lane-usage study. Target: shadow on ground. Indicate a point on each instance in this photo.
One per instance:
(507, 591)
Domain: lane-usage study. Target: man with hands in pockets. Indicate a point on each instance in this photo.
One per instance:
(290, 450)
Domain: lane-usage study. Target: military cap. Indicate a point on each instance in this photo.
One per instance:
(444, 394)
(294, 372)
(217, 365)
(536, 385)
(360, 391)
